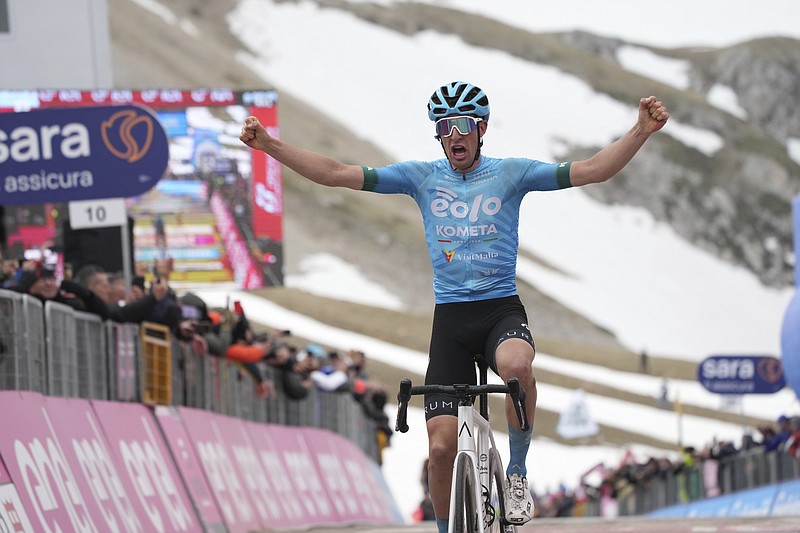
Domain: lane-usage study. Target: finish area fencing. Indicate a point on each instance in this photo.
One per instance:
(120, 427)
(54, 350)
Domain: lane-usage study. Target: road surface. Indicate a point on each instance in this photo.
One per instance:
(620, 525)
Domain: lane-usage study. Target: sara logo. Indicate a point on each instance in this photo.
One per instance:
(118, 135)
(769, 369)
(80, 153)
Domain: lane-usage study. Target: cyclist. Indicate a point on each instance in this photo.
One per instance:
(470, 208)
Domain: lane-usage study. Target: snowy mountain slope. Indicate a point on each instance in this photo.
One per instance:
(620, 265)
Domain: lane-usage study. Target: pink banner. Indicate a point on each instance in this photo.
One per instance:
(307, 485)
(277, 486)
(208, 433)
(189, 467)
(4, 477)
(12, 513)
(349, 477)
(60, 466)
(253, 475)
(155, 488)
(75, 465)
(292, 475)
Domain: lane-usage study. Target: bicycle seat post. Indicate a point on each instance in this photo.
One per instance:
(483, 367)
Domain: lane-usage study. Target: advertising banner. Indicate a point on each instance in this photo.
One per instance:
(208, 434)
(307, 483)
(80, 465)
(787, 499)
(753, 502)
(241, 452)
(349, 478)
(59, 467)
(741, 374)
(12, 513)
(65, 154)
(192, 473)
(267, 195)
(155, 489)
(278, 487)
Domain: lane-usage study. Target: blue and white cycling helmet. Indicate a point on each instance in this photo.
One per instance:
(458, 98)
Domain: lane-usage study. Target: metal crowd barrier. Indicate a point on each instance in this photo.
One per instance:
(91, 356)
(741, 471)
(62, 358)
(22, 344)
(54, 350)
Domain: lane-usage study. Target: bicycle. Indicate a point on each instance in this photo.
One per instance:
(477, 491)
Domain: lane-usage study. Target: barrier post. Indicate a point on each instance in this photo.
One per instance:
(62, 360)
(122, 347)
(91, 357)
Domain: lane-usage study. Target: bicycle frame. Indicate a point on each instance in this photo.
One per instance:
(475, 439)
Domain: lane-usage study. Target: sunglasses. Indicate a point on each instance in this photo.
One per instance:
(464, 125)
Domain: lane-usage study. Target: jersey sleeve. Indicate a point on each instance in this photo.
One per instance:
(538, 176)
(400, 178)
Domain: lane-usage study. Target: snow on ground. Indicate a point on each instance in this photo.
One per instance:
(642, 61)
(322, 273)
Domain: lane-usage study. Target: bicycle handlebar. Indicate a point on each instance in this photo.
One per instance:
(465, 393)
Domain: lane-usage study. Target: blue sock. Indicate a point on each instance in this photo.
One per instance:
(441, 524)
(518, 442)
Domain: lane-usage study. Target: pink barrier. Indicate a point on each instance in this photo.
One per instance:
(156, 490)
(210, 435)
(76, 470)
(47, 471)
(75, 465)
(350, 480)
(12, 513)
(189, 467)
(280, 476)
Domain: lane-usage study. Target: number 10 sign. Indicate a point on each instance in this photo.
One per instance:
(97, 213)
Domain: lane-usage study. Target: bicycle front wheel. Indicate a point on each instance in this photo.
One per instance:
(466, 508)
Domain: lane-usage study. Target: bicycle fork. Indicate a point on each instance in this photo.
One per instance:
(480, 461)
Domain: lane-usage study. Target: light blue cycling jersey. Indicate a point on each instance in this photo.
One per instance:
(471, 220)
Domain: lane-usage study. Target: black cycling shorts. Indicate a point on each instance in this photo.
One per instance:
(460, 331)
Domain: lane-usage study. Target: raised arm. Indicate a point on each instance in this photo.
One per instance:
(313, 166)
(606, 163)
